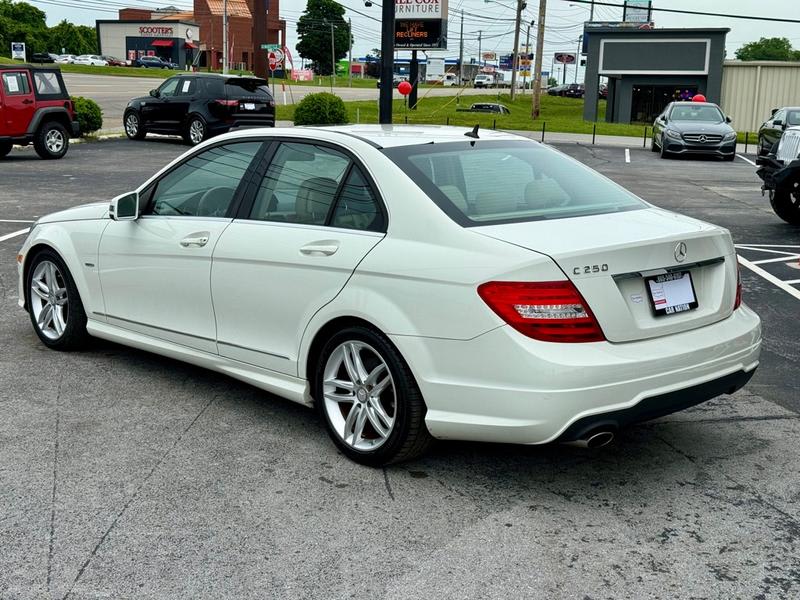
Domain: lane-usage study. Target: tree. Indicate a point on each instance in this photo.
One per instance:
(21, 22)
(768, 49)
(314, 34)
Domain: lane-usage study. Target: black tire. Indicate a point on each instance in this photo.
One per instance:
(787, 204)
(663, 149)
(138, 132)
(46, 140)
(409, 437)
(74, 335)
(188, 132)
(729, 157)
(5, 148)
(653, 147)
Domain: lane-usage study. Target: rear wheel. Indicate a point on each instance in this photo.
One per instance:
(54, 305)
(133, 126)
(5, 148)
(368, 398)
(786, 203)
(196, 131)
(51, 141)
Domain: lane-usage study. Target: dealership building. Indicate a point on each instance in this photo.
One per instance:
(175, 40)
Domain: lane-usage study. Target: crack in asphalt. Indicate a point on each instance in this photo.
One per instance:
(55, 487)
(388, 485)
(134, 496)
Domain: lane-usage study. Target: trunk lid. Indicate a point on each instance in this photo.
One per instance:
(255, 101)
(608, 256)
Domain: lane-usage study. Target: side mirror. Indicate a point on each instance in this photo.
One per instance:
(124, 207)
(155, 93)
(777, 123)
(665, 119)
(728, 119)
(774, 110)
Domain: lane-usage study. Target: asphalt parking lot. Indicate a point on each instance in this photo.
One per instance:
(127, 475)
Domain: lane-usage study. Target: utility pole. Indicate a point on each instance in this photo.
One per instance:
(414, 76)
(537, 81)
(224, 37)
(350, 52)
(333, 59)
(578, 58)
(460, 52)
(387, 60)
(515, 55)
(591, 12)
(480, 48)
(527, 52)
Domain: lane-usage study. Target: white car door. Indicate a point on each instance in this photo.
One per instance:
(309, 221)
(155, 271)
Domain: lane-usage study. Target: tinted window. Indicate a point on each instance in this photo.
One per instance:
(696, 112)
(47, 83)
(247, 87)
(203, 186)
(169, 87)
(356, 207)
(187, 87)
(793, 117)
(300, 184)
(15, 83)
(527, 182)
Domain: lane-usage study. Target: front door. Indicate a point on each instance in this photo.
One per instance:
(17, 103)
(312, 220)
(159, 112)
(155, 271)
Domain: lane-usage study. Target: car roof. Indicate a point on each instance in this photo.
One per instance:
(393, 136)
(33, 67)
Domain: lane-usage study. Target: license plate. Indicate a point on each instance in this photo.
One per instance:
(249, 106)
(671, 293)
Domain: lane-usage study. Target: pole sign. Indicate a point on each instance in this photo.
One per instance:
(489, 56)
(18, 50)
(420, 24)
(565, 58)
(637, 11)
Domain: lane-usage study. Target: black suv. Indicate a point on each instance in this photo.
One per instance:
(153, 62)
(771, 131)
(198, 106)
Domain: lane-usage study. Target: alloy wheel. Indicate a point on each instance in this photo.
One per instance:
(132, 125)
(54, 141)
(196, 131)
(49, 300)
(359, 395)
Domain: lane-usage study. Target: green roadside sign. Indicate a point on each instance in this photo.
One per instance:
(270, 47)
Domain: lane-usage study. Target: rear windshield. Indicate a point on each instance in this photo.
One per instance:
(249, 87)
(695, 112)
(505, 182)
(793, 117)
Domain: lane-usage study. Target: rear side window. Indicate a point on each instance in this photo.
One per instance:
(47, 83)
(357, 207)
(793, 117)
(16, 83)
(504, 182)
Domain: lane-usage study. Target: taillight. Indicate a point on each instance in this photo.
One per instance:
(227, 102)
(550, 311)
(738, 302)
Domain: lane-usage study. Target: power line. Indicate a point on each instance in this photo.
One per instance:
(693, 12)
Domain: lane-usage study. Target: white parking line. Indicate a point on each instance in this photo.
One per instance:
(8, 236)
(787, 259)
(770, 277)
(627, 155)
(767, 250)
(746, 160)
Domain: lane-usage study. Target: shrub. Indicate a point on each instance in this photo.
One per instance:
(320, 109)
(89, 113)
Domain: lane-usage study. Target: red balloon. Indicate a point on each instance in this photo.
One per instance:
(698, 98)
(404, 88)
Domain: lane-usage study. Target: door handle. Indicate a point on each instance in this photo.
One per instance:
(324, 248)
(196, 240)
(27, 101)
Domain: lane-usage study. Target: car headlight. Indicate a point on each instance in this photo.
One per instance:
(673, 134)
(730, 136)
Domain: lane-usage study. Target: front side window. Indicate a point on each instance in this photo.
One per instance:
(15, 83)
(483, 183)
(205, 185)
(47, 83)
(169, 87)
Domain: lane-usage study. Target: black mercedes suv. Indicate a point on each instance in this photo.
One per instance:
(198, 106)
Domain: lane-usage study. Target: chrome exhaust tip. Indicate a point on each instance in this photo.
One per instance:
(598, 439)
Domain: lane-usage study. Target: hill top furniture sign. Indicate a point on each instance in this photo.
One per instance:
(420, 24)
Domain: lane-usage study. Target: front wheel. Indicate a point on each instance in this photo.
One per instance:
(368, 398)
(786, 203)
(55, 308)
(51, 141)
(663, 149)
(653, 147)
(5, 148)
(133, 126)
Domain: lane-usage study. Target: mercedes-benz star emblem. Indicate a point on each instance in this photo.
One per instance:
(703, 139)
(680, 252)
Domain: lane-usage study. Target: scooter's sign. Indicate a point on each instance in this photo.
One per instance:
(420, 9)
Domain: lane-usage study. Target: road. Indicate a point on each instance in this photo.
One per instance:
(113, 93)
(128, 475)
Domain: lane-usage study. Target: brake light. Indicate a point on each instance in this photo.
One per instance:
(738, 302)
(550, 311)
(227, 102)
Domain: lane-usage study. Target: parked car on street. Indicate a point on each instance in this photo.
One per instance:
(487, 107)
(91, 60)
(772, 129)
(66, 59)
(557, 90)
(153, 62)
(325, 265)
(693, 128)
(483, 81)
(602, 91)
(780, 171)
(396, 80)
(574, 90)
(35, 108)
(200, 105)
(114, 62)
(43, 57)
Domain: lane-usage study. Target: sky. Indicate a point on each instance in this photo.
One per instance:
(494, 19)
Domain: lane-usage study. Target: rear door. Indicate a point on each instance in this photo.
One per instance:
(18, 104)
(313, 216)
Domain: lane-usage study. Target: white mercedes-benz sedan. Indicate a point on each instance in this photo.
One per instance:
(410, 282)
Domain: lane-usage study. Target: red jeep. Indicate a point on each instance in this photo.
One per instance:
(35, 108)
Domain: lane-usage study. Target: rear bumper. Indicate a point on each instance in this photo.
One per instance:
(225, 126)
(505, 387)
